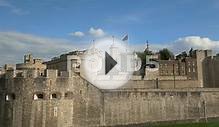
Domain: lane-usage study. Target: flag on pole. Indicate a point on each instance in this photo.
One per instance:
(125, 38)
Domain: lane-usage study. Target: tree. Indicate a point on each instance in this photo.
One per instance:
(166, 54)
(142, 56)
(217, 54)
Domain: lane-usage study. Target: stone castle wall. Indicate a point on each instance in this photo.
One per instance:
(142, 106)
(161, 84)
(211, 71)
(79, 104)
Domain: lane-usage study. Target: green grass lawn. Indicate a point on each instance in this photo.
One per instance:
(209, 124)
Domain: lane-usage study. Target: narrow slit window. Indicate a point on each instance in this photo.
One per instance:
(10, 97)
(55, 96)
(38, 96)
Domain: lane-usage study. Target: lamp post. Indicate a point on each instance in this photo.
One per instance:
(174, 78)
(205, 111)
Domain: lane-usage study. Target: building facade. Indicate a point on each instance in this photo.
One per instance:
(211, 71)
(32, 100)
(29, 99)
(190, 67)
(65, 62)
(31, 63)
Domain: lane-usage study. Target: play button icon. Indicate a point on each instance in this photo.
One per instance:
(109, 63)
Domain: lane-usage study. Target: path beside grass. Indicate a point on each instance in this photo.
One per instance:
(209, 124)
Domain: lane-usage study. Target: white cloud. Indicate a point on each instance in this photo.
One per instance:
(14, 45)
(195, 42)
(77, 34)
(96, 32)
(183, 44)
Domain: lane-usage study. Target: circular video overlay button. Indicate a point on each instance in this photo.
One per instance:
(109, 63)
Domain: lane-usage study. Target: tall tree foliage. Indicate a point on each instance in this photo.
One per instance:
(166, 54)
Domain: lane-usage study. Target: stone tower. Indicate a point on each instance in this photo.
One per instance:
(28, 58)
(200, 56)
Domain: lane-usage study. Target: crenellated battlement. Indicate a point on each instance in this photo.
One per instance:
(27, 94)
(33, 73)
(35, 97)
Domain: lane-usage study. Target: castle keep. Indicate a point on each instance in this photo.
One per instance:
(53, 94)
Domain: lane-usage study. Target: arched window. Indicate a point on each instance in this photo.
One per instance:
(68, 95)
(38, 96)
(55, 95)
(9, 97)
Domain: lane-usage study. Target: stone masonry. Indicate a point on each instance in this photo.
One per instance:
(70, 101)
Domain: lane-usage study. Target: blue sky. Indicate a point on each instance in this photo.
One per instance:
(159, 21)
